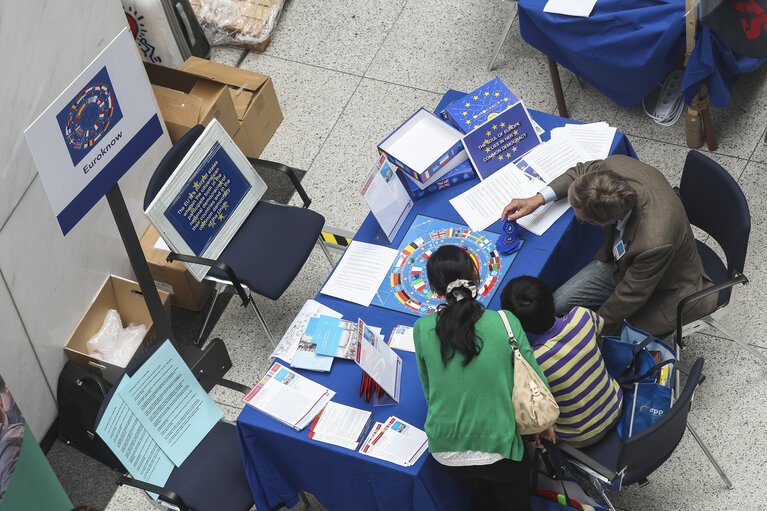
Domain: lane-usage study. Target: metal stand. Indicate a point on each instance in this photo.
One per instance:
(211, 359)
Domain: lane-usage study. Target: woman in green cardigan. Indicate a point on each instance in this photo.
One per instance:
(465, 364)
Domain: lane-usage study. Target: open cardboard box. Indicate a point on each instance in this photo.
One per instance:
(124, 296)
(254, 99)
(245, 103)
(173, 277)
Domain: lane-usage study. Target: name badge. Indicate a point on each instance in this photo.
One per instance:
(618, 250)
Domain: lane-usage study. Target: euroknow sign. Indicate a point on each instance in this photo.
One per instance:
(94, 132)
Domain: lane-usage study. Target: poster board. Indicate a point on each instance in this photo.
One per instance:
(207, 198)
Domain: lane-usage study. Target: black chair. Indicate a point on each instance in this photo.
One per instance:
(715, 203)
(268, 250)
(213, 476)
(619, 463)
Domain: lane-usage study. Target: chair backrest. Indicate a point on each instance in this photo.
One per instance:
(646, 451)
(715, 203)
(169, 163)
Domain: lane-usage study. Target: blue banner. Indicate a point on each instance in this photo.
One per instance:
(204, 204)
(501, 140)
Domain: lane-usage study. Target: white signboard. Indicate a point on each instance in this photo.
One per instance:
(94, 132)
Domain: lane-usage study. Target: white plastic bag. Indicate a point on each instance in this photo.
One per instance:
(113, 343)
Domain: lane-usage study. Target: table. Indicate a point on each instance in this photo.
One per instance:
(626, 48)
(280, 461)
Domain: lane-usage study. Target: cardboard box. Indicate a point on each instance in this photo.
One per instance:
(125, 297)
(253, 97)
(186, 292)
(186, 100)
(422, 146)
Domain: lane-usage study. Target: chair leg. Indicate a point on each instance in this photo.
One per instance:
(263, 322)
(325, 251)
(750, 349)
(601, 492)
(217, 291)
(556, 84)
(710, 456)
(504, 35)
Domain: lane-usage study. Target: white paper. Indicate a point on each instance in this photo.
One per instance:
(387, 198)
(341, 425)
(552, 159)
(402, 338)
(359, 272)
(289, 342)
(580, 8)
(544, 217)
(483, 204)
(161, 245)
(595, 139)
(288, 397)
(395, 441)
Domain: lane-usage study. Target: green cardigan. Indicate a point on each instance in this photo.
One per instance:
(470, 407)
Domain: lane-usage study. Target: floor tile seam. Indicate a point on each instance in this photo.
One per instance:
(383, 41)
(724, 338)
(666, 142)
(315, 66)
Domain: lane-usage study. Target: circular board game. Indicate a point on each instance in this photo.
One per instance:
(408, 276)
(89, 116)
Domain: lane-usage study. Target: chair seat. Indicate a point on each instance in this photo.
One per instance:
(715, 269)
(213, 476)
(282, 235)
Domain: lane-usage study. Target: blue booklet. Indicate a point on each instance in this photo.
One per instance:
(485, 103)
(501, 140)
(306, 356)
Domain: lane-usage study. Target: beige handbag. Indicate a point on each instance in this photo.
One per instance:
(535, 408)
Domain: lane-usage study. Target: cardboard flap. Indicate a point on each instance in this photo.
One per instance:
(222, 73)
(177, 107)
(169, 77)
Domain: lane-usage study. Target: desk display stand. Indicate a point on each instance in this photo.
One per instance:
(213, 360)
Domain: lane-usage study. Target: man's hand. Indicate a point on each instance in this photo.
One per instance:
(518, 208)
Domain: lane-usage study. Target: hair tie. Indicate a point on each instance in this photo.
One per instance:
(461, 283)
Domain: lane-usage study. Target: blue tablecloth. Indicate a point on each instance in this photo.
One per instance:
(627, 47)
(279, 461)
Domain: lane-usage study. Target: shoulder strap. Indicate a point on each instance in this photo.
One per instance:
(509, 332)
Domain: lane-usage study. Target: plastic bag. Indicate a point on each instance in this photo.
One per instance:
(113, 343)
(237, 22)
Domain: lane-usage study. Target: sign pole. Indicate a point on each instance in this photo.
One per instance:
(138, 262)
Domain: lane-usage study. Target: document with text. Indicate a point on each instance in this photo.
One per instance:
(359, 272)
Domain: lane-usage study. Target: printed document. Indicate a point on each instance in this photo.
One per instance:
(596, 139)
(395, 441)
(483, 204)
(544, 217)
(377, 359)
(341, 425)
(360, 272)
(387, 198)
(579, 8)
(289, 342)
(552, 159)
(401, 338)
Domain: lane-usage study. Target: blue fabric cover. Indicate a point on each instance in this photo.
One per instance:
(271, 246)
(280, 461)
(714, 63)
(624, 49)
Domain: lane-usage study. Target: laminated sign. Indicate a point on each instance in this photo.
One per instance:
(94, 132)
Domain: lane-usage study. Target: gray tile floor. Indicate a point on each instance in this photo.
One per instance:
(348, 73)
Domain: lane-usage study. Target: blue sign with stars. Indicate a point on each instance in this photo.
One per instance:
(485, 103)
(501, 140)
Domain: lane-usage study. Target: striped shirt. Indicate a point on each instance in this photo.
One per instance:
(589, 398)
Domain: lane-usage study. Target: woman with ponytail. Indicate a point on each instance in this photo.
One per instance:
(466, 370)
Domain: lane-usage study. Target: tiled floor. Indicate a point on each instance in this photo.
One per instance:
(348, 73)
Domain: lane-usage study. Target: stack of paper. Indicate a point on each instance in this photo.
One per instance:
(401, 338)
(289, 342)
(595, 139)
(395, 441)
(157, 417)
(341, 425)
(288, 397)
(359, 272)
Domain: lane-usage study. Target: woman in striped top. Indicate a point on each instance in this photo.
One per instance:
(589, 399)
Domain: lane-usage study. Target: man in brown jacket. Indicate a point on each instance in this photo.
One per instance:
(649, 261)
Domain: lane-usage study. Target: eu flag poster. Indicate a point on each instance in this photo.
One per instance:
(501, 140)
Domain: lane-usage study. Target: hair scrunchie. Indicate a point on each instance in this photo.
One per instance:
(461, 283)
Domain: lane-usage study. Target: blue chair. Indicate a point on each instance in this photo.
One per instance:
(268, 250)
(213, 476)
(618, 463)
(715, 203)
